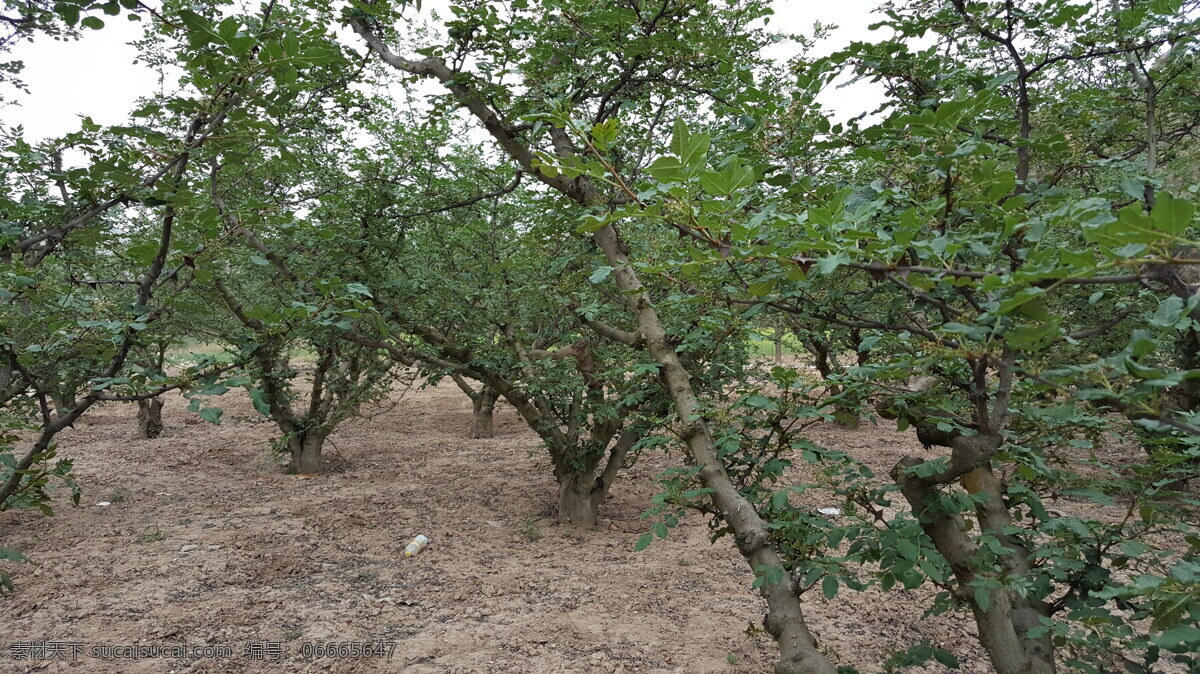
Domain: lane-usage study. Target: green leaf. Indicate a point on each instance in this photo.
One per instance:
(945, 657)
(829, 263)
(1142, 371)
(68, 12)
(228, 28)
(1178, 639)
(691, 149)
(932, 570)
(549, 170)
(1077, 259)
(604, 134)
(290, 44)
(728, 181)
(1172, 215)
(240, 45)
(1132, 187)
(212, 415)
(1168, 314)
(1001, 79)
(11, 555)
(1036, 309)
(643, 542)
(667, 170)
(592, 223)
(600, 275)
(768, 575)
(761, 288)
(200, 27)
(1024, 295)
(907, 549)
(714, 183)
(143, 252)
(983, 599)
(259, 400)
(95, 23)
(829, 587)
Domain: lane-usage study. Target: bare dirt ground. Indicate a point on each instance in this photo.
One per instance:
(207, 542)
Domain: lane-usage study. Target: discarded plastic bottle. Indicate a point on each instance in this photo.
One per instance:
(415, 546)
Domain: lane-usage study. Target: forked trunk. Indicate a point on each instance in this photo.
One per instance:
(1005, 620)
(306, 454)
(580, 492)
(149, 417)
(482, 406)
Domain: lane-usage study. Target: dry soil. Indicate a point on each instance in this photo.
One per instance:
(207, 542)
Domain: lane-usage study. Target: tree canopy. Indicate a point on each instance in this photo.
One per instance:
(591, 211)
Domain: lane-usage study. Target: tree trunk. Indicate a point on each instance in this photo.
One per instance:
(825, 360)
(580, 493)
(306, 454)
(778, 344)
(1004, 623)
(993, 515)
(578, 499)
(1189, 359)
(149, 418)
(63, 404)
(482, 405)
(785, 622)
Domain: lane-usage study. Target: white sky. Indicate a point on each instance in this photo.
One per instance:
(96, 75)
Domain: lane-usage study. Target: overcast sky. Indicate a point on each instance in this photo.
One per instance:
(96, 76)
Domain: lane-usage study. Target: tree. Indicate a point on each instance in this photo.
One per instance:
(135, 200)
(946, 185)
(60, 219)
(614, 34)
(466, 293)
(999, 256)
(937, 238)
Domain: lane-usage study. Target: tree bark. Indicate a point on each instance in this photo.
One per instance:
(150, 423)
(578, 499)
(580, 492)
(1005, 619)
(1026, 614)
(1189, 358)
(306, 454)
(482, 406)
(825, 360)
